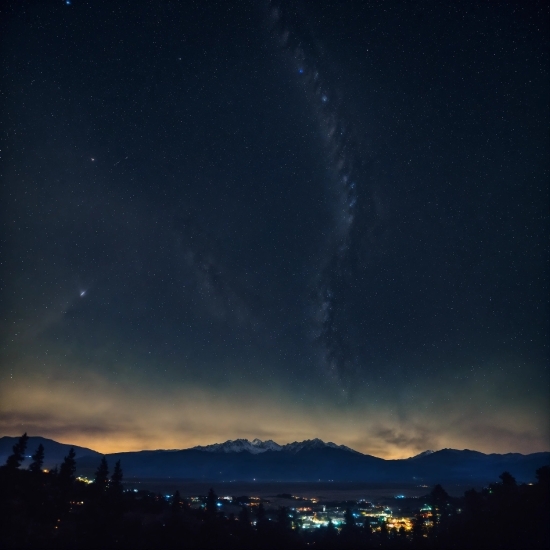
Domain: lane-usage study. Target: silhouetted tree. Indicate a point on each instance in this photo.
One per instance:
(508, 479)
(331, 535)
(349, 522)
(15, 459)
(211, 505)
(438, 499)
(349, 533)
(541, 503)
(244, 527)
(176, 503)
(116, 479)
(384, 532)
(260, 514)
(543, 477)
(101, 480)
(37, 460)
(244, 516)
(419, 527)
(67, 470)
(283, 519)
(438, 495)
(367, 530)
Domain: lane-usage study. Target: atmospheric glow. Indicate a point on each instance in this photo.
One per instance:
(94, 411)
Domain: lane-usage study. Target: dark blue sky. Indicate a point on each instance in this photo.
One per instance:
(277, 220)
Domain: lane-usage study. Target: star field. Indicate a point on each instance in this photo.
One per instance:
(281, 220)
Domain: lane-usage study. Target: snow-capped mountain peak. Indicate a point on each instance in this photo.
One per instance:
(240, 445)
(257, 446)
(310, 444)
(420, 455)
(268, 445)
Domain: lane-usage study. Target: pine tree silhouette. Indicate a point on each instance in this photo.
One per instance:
(349, 522)
(211, 505)
(37, 460)
(101, 480)
(67, 470)
(176, 503)
(116, 478)
(283, 519)
(244, 517)
(15, 459)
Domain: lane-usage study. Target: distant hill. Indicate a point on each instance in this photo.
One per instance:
(54, 452)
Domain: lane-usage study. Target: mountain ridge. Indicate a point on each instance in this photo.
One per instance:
(257, 446)
(54, 452)
(306, 461)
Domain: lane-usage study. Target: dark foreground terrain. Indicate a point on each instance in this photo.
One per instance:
(54, 509)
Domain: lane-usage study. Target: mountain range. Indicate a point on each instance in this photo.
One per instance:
(257, 446)
(310, 460)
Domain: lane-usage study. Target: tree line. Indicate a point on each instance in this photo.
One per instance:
(55, 509)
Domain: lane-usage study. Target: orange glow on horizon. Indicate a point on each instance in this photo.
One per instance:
(112, 418)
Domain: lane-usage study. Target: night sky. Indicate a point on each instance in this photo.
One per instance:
(226, 219)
